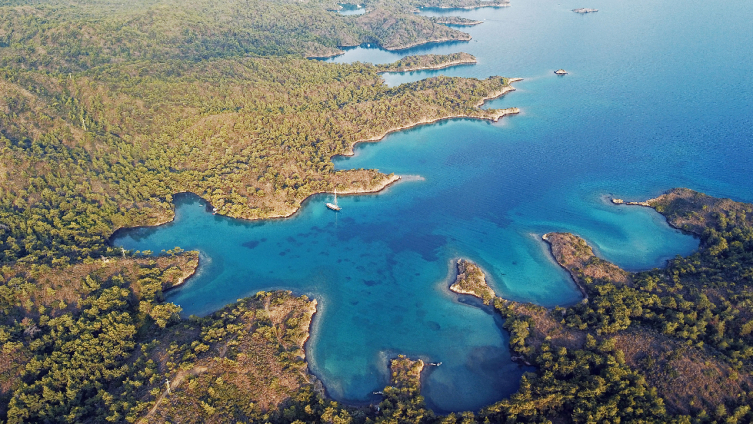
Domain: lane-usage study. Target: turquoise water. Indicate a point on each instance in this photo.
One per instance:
(351, 9)
(658, 96)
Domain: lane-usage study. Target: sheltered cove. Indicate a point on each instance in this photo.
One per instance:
(494, 117)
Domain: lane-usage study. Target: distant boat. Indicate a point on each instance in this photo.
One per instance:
(560, 72)
(334, 206)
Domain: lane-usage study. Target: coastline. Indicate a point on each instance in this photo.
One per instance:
(470, 280)
(573, 277)
(478, 6)
(421, 43)
(493, 118)
(309, 318)
(340, 52)
(388, 181)
(649, 204)
(183, 278)
(455, 21)
(432, 67)
(313, 324)
(508, 88)
(382, 186)
(645, 203)
(470, 24)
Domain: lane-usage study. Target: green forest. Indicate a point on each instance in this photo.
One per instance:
(109, 108)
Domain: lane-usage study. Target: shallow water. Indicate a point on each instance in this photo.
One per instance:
(658, 96)
(351, 9)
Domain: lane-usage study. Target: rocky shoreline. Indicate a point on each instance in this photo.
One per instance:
(388, 181)
(194, 267)
(427, 62)
(617, 201)
(508, 88)
(455, 20)
(463, 37)
(492, 117)
(475, 6)
(471, 280)
(434, 67)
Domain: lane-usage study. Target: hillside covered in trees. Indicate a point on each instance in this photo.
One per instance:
(70, 36)
(666, 345)
(109, 108)
(96, 139)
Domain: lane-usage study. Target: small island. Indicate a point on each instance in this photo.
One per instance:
(471, 280)
(428, 62)
(583, 10)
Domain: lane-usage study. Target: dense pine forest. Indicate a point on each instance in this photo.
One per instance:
(109, 108)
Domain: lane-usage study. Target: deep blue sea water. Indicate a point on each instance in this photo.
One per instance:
(658, 96)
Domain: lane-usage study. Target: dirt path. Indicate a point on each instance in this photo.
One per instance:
(173, 385)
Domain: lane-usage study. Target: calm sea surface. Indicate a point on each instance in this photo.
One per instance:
(659, 95)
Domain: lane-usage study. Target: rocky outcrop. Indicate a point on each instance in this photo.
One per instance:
(617, 201)
(471, 280)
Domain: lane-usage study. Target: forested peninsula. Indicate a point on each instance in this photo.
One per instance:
(109, 108)
(455, 20)
(428, 61)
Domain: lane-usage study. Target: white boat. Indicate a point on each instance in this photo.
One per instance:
(334, 206)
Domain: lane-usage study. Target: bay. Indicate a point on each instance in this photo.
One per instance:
(657, 96)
